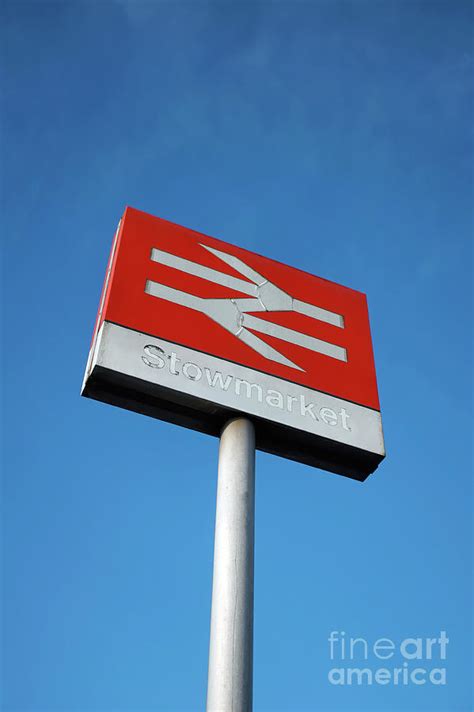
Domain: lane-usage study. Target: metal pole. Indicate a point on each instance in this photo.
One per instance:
(231, 641)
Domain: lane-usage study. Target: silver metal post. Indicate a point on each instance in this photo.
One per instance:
(231, 641)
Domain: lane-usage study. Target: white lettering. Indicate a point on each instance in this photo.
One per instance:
(155, 357)
(417, 654)
(173, 361)
(416, 679)
(352, 643)
(152, 357)
(382, 676)
(217, 379)
(339, 680)
(396, 675)
(307, 409)
(249, 386)
(198, 373)
(345, 417)
(274, 398)
(359, 673)
(429, 647)
(289, 402)
(438, 676)
(443, 641)
(389, 645)
(328, 416)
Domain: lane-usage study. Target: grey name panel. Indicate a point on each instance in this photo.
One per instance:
(171, 382)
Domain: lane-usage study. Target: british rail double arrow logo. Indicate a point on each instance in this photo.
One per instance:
(233, 314)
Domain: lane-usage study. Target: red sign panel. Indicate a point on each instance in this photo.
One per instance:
(194, 290)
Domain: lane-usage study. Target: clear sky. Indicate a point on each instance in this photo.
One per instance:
(336, 137)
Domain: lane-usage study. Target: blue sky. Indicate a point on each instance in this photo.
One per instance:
(336, 137)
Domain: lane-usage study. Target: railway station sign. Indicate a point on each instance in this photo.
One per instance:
(194, 330)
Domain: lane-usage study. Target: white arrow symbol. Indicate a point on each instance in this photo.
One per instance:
(232, 314)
